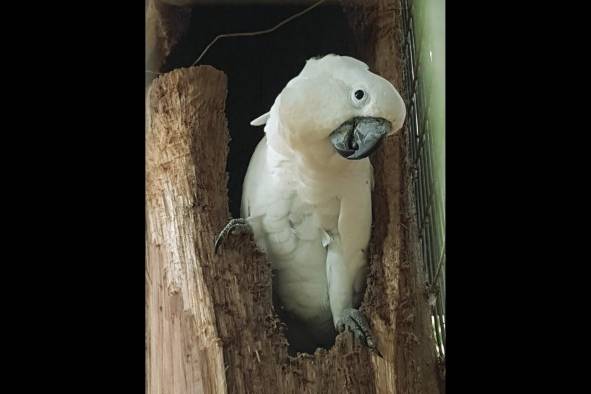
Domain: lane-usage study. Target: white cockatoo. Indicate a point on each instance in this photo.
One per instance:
(307, 194)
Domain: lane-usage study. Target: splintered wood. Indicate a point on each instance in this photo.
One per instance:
(210, 322)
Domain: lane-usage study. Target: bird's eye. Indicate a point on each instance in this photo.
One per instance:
(359, 98)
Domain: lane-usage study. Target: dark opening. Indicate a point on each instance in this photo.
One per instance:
(258, 67)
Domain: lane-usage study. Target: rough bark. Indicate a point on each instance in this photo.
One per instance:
(186, 135)
(210, 321)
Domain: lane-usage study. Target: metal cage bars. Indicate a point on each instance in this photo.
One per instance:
(430, 210)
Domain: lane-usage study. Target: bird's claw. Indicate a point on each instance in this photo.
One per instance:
(356, 322)
(239, 225)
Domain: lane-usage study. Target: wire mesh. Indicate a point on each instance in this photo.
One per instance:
(429, 205)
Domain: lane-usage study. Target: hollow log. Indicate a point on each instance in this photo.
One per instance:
(210, 324)
(210, 321)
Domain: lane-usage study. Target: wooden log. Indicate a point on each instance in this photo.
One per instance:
(210, 321)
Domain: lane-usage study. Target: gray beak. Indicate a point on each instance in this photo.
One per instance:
(358, 137)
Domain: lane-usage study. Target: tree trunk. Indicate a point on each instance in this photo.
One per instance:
(186, 136)
(209, 320)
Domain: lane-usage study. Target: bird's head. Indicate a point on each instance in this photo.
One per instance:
(338, 103)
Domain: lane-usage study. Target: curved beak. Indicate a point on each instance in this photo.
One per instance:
(358, 137)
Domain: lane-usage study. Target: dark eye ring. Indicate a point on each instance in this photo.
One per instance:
(359, 94)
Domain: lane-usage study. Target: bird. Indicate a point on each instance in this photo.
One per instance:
(306, 195)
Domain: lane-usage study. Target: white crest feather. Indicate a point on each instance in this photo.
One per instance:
(261, 120)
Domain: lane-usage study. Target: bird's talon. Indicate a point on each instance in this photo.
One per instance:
(234, 224)
(356, 322)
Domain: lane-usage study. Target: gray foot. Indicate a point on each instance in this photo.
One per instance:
(234, 226)
(354, 320)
